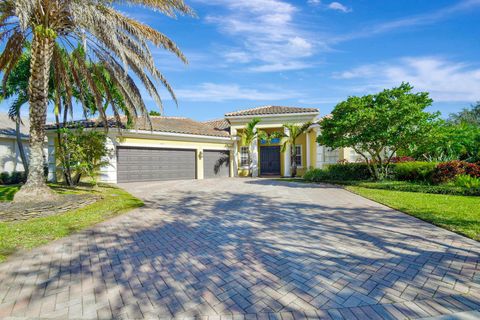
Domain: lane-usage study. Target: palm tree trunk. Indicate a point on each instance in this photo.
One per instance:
(20, 145)
(36, 189)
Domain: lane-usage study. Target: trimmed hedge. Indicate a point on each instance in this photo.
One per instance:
(339, 172)
(15, 177)
(414, 171)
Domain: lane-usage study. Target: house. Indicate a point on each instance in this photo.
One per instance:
(10, 159)
(174, 148)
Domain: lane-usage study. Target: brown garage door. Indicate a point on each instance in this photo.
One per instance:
(151, 164)
(216, 164)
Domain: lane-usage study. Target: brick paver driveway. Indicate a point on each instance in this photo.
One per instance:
(247, 248)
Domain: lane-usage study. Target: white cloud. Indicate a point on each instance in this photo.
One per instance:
(339, 7)
(265, 33)
(314, 2)
(225, 92)
(446, 81)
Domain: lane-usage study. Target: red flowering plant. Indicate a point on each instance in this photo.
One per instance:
(447, 171)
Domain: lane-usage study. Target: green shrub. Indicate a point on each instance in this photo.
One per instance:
(12, 178)
(448, 171)
(339, 172)
(414, 171)
(348, 171)
(466, 181)
(4, 178)
(316, 175)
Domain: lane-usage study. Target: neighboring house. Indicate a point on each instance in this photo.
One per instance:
(179, 148)
(10, 159)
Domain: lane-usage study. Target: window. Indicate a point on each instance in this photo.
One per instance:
(244, 157)
(298, 155)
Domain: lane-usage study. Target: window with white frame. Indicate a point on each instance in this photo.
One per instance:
(298, 155)
(244, 156)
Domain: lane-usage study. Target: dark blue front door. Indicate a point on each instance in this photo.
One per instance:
(270, 160)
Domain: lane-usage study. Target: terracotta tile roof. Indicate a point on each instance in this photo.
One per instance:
(219, 124)
(7, 126)
(270, 110)
(159, 124)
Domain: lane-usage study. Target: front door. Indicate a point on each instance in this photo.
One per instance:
(270, 160)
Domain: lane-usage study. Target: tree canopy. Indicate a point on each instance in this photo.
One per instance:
(377, 125)
(91, 32)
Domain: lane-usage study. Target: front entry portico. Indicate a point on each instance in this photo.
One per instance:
(270, 160)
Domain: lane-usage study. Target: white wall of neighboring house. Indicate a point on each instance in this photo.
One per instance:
(10, 159)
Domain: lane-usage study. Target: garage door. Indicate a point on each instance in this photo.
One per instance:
(148, 164)
(216, 164)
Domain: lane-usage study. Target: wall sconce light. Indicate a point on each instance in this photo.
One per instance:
(200, 155)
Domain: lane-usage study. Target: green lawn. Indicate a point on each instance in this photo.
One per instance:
(7, 192)
(28, 234)
(460, 214)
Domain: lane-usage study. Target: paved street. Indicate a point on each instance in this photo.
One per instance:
(247, 249)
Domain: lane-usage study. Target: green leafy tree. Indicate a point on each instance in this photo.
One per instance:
(85, 153)
(154, 114)
(118, 42)
(467, 115)
(378, 125)
(290, 139)
(248, 136)
(448, 141)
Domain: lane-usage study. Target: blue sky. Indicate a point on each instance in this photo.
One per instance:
(312, 53)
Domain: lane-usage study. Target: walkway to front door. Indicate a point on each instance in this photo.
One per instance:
(270, 160)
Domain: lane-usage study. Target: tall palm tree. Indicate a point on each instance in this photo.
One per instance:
(118, 42)
(290, 139)
(16, 88)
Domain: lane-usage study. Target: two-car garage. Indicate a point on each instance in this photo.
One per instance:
(135, 164)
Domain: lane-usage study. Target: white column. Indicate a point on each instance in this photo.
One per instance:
(51, 159)
(234, 172)
(234, 162)
(254, 155)
(108, 173)
(286, 162)
(307, 145)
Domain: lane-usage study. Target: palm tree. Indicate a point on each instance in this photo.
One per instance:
(16, 88)
(118, 42)
(290, 139)
(248, 136)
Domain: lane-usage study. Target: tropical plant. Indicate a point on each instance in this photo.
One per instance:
(378, 125)
(289, 139)
(248, 136)
(466, 181)
(85, 152)
(447, 141)
(117, 42)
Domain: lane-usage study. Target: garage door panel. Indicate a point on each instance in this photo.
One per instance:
(216, 163)
(149, 164)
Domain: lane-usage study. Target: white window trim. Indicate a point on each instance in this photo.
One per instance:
(247, 166)
(301, 155)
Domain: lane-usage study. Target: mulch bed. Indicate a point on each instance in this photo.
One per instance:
(10, 211)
